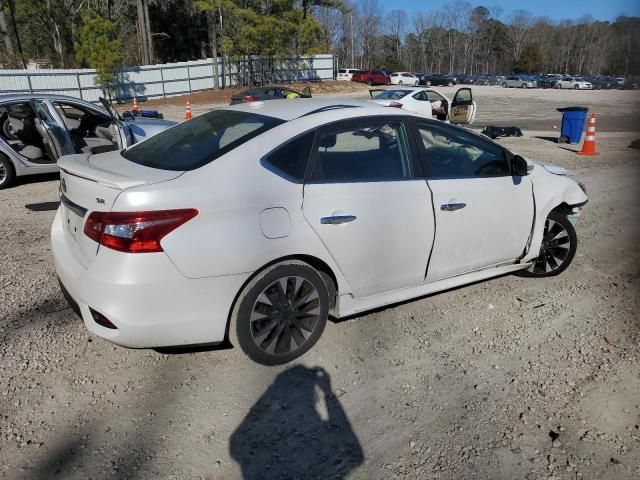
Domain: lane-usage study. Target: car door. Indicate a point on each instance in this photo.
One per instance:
(484, 215)
(55, 137)
(125, 136)
(417, 102)
(367, 205)
(463, 108)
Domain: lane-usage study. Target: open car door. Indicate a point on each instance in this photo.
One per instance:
(463, 108)
(55, 138)
(124, 137)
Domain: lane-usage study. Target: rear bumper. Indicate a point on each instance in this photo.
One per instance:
(144, 296)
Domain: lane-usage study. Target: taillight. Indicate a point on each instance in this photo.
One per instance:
(135, 232)
(248, 99)
(395, 104)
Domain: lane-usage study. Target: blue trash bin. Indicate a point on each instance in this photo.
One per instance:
(572, 124)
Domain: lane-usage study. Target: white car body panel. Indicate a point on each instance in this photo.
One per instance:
(249, 217)
(403, 78)
(491, 229)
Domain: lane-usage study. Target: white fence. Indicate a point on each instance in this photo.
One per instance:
(152, 81)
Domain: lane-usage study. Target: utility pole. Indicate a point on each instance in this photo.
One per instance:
(214, 50)
(353, 52)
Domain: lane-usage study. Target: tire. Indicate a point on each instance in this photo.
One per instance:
(524, 85)
(369, 82)
(555, 256)
(387, 82)
(7, 173)
(400, 83)
(450, 84)
(504, 85)
(428, 83)
(268, 338)
(576, 87)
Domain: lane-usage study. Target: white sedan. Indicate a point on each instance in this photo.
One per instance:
(403, 78)
(256, 222)
(431, 104)
(575, 83)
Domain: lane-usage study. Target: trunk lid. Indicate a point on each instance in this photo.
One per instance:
(92, 183)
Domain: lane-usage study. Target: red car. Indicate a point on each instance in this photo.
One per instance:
(371, 77)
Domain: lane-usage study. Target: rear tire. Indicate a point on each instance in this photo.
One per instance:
(450, 84)
(559, 244)
(7, 173)
(576, 87)
(280, 314)
(504, 85)
(524, 85)
(428, 83)
(369, 82)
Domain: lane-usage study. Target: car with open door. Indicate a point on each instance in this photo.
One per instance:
(36, 130)
(255, 222)
(430, 103)
(271, 92)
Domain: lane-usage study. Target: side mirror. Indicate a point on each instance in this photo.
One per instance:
(306, 93)
(519, 166)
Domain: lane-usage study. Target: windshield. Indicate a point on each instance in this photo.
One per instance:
(194, 143)
(391, 94)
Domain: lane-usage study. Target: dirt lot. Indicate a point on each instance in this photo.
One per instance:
(509, 378)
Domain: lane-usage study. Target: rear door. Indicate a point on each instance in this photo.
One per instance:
(55, 137)
(484, 215)
(367, 205)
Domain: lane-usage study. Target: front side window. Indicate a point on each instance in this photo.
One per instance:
(375, 152)
(451, 152)
(190, 145)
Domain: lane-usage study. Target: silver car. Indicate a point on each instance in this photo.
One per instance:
(519, 81)
(35, 130)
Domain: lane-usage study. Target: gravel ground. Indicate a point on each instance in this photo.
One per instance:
(503, 379)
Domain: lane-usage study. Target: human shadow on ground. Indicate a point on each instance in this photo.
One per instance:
(297, 429)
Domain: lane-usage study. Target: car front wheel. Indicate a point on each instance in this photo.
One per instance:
(559, 243)
(281, 313)
(6, 172)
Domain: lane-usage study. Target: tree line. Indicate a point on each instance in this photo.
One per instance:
(458, 38)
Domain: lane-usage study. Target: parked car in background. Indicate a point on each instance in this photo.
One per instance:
(485, 80)
(437, 79)
(431, 104)
(272, 92)
(631, 83)
(372, 77)
(547, 81)
(576, 83)
(467, 79)
(519, 81)
(345, 74)
(255, 222)
(37, 129)
(403, 78)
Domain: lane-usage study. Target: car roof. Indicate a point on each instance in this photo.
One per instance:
(49, 96)
(290, 109)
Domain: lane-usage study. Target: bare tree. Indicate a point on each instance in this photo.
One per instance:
(519, 26)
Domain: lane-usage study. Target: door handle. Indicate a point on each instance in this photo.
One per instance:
(337, 219)
(452, 207)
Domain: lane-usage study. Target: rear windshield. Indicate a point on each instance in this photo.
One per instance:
(196, 142)
(391, 94)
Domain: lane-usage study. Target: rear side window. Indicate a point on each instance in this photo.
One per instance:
(369, 153)
(195, 143)
(291, 159)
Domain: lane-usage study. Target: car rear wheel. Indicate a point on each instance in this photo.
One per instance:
(504, 85)
(450, 84)
(576, 87)
(559, 243)
(524, 85)
(369, 82)
(280, 314)
(6, 172)
(428, 83)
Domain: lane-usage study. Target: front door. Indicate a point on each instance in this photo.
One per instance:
(484, 215)
(368, 207)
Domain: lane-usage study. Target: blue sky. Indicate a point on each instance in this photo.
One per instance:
(554, 9)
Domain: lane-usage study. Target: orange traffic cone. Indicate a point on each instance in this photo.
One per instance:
(187, 113)
(589, 145)
(135, 105)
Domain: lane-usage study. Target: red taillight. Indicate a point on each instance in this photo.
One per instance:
(248, 99)
(135, 232)
(395, 104)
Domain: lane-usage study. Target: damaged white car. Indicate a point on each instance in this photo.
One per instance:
(256, 222)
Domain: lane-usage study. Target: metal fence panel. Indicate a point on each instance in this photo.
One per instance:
(149, 81)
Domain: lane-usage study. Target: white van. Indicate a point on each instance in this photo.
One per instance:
(346, 74)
